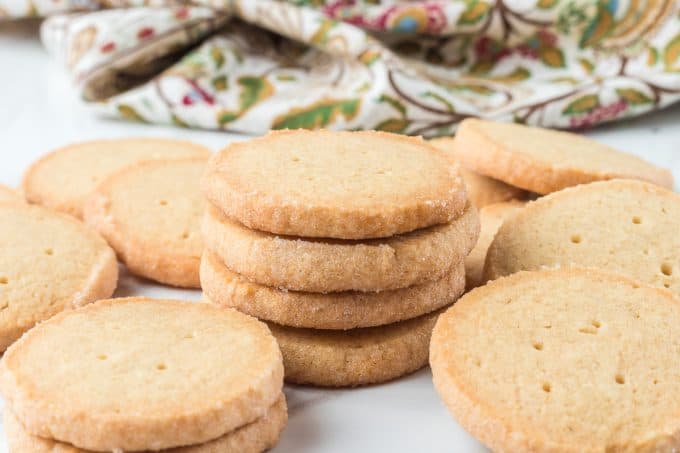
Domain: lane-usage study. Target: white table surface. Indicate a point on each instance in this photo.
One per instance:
(41, 111)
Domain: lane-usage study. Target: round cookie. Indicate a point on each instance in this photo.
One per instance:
(343, 185)
(331, 358)
(567, 360)
(255, 437)
(623, 226)
(544, 161)
(63, 179)
(491, 217)
(49, 262)
(343, 310)
(141, 374)
(151, 214)
(481, 190)
(327, 265)
(7, 194)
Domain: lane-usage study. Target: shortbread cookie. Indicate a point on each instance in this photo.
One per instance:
(141, 374)
(64, 178)
(627, 227)
(568, 360)
(9, 194)
(255, 437)
(332, 358)
(342, 310)
(481, 190)
(491, 218)
(544, 161)
(344, 185)
(151, 215)
(49, 262)
(326, 265)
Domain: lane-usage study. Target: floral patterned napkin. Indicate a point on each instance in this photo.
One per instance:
(415, 67)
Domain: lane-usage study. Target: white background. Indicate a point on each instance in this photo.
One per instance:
(39, 110)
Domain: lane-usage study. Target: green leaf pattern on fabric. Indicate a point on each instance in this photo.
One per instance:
(396, 125)
(582, 105)
(475, 11)
(633, 96)
(318, 115)
(130, 113)
(553, 57)
(253, 90)
(671, 54)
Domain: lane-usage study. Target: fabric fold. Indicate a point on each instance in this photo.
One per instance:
(409, 67)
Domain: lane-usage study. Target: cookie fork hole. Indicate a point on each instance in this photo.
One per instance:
(637, 220)
(4, 280)
(538, 345)
(576, 239)
(546, 387)
(161, 367)
(49, 252)
(591, 330)
(620, 379)
(185, 235)
(102, 357)
(163, 202)
(666, 269)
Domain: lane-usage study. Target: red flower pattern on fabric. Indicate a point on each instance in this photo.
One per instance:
(145, 33)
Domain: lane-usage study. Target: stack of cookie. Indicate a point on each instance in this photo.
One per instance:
(64, 178)
(141, 374)
(581, 308)
(348, 244)
(140, 194)
(503, 164)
